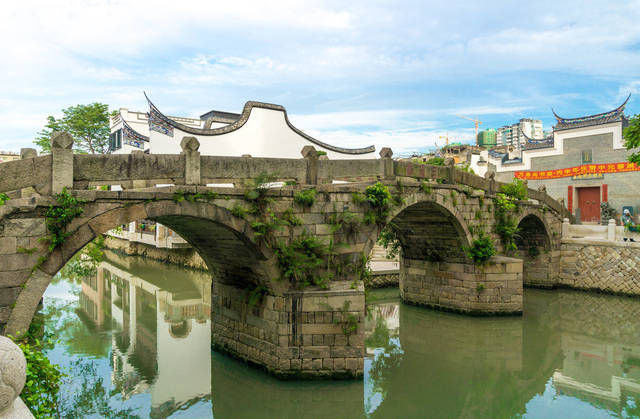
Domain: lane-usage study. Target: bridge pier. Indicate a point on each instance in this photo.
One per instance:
(300, 334)
(492, 288)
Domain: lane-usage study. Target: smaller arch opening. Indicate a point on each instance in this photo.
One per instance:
(534, 247)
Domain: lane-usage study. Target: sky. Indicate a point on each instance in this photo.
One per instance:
(352, 74)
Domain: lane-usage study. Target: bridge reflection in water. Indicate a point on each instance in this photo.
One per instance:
(572, 352)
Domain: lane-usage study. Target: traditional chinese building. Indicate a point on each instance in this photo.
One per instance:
(261, 130)
(583, 162)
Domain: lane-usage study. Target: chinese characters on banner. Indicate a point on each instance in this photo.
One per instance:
(579, 170)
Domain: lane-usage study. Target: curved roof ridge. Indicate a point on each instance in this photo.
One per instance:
(129, 127)
(617, 110)
(244, 117)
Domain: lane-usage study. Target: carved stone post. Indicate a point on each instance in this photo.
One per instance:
(387, 162)
(190, 146)
(13, 374)
(62, 163)
(28, 153)
(310, 154)
(450, 163)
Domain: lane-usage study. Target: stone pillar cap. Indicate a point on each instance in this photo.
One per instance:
(61, 140)
(28, 153)
(386, 153)
(189, 144)
(309, 152)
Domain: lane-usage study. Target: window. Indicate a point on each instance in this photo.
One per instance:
(115, 140)
(586, 156)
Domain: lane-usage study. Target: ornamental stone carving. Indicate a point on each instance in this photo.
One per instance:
(13, 370)
(189, 144)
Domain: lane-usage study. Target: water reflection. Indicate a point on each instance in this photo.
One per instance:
(160, 329)
(136, 341)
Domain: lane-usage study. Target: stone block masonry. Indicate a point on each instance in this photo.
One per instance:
(303, 334)
(494, 288)
(612, 267)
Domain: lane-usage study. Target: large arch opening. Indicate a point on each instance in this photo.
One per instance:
(534, 248)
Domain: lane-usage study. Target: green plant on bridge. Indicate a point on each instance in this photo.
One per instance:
(379, 198)
(239, 211)
(426, 187)
(345, 222)
(506, 225)
(58, 217)
(305, 198)
(3, 198)
(256, 194)
(517, 190)
(300, 261)
(389, 240)
(179, 196)
(290, 218)
(481, 249)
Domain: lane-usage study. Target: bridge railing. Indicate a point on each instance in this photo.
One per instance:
(50, 174)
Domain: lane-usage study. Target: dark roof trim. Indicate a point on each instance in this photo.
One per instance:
(533, 143)
(220, 117)
(604, 115)
(135, 133)
(244, 117)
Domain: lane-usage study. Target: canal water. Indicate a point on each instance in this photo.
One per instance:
(134, 340)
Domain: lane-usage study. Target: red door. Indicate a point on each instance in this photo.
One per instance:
(589, 204)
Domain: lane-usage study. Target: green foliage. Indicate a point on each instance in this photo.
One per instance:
(345, 222)
(358, 198)
(3, 198)
(435, 161)
(481, 249)
(533, 252)
(454, 200)
(60, 216)
(239, 211)
(26, 251)
(378, 195)
(426, 187)
(87, 124)
(290, 183)
(179, 196)
(517, 190)
(290, 218)
(300, 260)
(305, 198)
(504, 203)
(256, 194)
(389, 240)
(263, 230)
(321, 153)
(480, 287)
(631, 136)
(40, 392)
(369, 217)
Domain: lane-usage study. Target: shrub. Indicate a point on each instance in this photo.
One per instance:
(305, 198)
(481, 249)
(239, 211)
(516, 190)
(58, 217)
(358, 198)
(378, 195)
(436, 161)
(321, 153)
(389, 240)
(3, 198)
(289, 217)
(300, 260)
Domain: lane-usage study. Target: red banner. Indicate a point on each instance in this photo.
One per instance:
(579, 170)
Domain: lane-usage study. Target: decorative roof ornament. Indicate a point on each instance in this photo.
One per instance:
(614, 115)
(162, 123)
(132, 137)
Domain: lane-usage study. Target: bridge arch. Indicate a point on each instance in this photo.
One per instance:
(226, 244)
(536, 248)
(428, 225)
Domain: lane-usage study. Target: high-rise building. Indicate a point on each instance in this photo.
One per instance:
(512, 135)
(487, 138)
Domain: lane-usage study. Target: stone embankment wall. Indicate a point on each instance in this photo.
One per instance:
(599, 265)
(183, 257)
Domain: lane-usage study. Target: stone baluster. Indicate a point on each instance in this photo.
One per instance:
(310, 154)
(62, 163)
(387, 162)
(190, 146)
(611, 230)
(27, 153)
(13, 374)
(565, 228)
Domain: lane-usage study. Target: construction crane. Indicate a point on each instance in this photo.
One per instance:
(476, 121)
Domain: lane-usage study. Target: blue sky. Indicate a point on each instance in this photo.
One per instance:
(350, 73)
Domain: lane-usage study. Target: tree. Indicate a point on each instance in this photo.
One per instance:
(87, 124)
(632, 138)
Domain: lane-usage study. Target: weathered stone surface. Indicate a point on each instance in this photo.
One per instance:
(13, 370)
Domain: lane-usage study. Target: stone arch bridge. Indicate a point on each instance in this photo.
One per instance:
(293, 330)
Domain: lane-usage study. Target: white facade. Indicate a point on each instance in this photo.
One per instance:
(261, 130)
